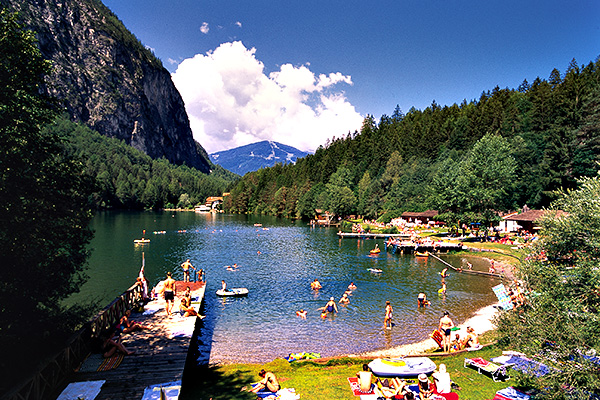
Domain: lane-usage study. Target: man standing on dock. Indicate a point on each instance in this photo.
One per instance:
(186, 270)
(169, 292)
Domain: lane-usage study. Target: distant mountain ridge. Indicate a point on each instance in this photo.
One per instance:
(252, 157)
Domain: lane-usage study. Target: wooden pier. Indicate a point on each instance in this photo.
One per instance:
(160, 353)
(412, 247)
(366, 235)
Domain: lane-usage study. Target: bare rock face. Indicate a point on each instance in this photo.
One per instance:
(108, 80)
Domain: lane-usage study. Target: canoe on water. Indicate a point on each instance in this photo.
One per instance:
(419, 254)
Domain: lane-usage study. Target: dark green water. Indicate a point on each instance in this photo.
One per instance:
(264, 325)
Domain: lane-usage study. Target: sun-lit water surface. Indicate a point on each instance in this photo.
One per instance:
(276, 263)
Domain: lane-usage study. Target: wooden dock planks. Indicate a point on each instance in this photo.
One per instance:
(160, 353)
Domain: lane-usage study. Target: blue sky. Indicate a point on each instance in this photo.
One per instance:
(300, 72)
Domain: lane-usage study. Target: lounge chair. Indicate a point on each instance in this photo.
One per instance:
(497, 372)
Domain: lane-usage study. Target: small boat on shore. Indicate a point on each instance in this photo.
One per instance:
(402, 367)
(234, 292)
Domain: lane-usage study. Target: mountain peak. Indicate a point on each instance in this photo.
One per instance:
(252, 157)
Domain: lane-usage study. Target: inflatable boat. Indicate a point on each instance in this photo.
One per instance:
(402, 367)
(235, 292)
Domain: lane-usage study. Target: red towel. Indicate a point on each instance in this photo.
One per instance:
(355, 387)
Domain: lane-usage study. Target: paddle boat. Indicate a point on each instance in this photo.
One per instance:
(234, 292)
(419, 254)
(402, 366)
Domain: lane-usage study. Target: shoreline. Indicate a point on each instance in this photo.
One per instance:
(481, 321)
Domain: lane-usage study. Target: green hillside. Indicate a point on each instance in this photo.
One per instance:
(127, 178)
(508, 148)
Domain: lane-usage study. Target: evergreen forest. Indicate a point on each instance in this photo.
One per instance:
(126, 178)
(507, 149)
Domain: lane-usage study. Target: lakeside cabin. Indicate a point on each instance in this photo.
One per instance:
(528, 220)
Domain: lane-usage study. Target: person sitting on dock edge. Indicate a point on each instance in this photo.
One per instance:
(185, 305)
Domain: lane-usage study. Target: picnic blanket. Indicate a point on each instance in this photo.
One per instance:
(96, 363)
(355, 387)
(87, 390)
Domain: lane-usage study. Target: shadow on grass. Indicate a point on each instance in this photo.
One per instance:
(211, 383)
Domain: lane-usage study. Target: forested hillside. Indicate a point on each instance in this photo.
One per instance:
(127, 178)
(508, 148)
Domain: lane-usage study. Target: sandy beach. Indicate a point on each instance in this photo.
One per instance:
(481, 322)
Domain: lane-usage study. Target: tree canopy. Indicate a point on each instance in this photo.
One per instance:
(496, 153)
(44, 210)
(560, 322)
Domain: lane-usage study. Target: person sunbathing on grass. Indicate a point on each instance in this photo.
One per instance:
(268, 383)
(364, 379)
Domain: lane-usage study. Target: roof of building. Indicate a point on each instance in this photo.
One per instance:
(533, 215)
(423, 214)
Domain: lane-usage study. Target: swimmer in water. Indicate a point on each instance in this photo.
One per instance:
(330, 306)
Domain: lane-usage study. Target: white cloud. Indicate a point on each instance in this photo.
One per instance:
(204, 28)
(232, 102)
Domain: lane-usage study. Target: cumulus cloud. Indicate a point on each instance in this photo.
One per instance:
(204, 28)
(231, 101)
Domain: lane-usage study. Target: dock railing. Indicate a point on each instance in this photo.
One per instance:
(46, 381)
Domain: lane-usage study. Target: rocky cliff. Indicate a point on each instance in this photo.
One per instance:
(108, 80)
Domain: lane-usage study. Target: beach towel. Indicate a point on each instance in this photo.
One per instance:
(97, 363)
(81, 390)
(355, 387)
(170, 391)
(282, 394)
(510, 393)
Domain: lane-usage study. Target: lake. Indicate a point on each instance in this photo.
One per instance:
(277, 262)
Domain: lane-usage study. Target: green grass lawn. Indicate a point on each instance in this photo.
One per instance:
(328, 380)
